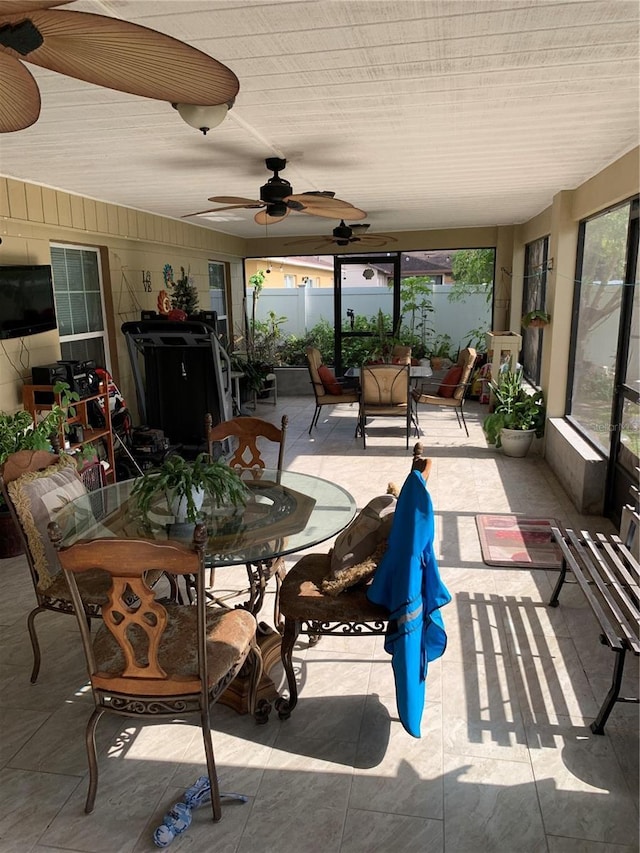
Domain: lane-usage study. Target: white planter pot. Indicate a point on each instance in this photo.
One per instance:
(178, 504)
(516, 442)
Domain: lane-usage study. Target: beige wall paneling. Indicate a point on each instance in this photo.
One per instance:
(132, 223)
(17, 199)
(50, 206)
(63, 202)
(90, 215)
(4, 198)
(102, 217)
(123, 221)
(112, 219)
(35, 209)
(157, 229)
(77, 212)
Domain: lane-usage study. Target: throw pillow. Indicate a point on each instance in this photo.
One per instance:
(356, 574)
(329, 381)
(361, 538)
(41, 497)
(450, 382)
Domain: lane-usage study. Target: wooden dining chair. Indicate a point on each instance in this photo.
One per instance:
(36, 486)
(151, 659)
(248, 440)
(311, 604)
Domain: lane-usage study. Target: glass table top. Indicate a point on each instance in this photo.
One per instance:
(285, 512)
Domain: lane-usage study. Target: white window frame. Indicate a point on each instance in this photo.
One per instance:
(104, 334)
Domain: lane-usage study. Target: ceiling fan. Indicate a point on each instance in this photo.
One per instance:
(105, 51)
(344, 235)
(277, 200)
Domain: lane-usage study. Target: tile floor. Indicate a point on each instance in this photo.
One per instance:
(506, 762)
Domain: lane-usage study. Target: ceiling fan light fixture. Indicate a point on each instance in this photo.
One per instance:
(203, 118)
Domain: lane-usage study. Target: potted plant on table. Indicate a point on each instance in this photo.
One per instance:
(184, 484)
(518, 415)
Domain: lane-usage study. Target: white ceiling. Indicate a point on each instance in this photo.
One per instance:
(424, 113)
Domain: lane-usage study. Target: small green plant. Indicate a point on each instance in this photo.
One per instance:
(515, 408)
(440, 346)
(178, 478)
(535, 319)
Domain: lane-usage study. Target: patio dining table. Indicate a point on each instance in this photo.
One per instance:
(285, 512)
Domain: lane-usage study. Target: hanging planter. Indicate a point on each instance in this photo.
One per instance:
(535, 320)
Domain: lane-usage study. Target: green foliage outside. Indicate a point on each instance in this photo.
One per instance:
(473, 272)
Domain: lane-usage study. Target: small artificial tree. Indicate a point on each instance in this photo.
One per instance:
(184, 295)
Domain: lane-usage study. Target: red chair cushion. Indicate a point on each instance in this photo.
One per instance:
(450, 381)
(329, 381)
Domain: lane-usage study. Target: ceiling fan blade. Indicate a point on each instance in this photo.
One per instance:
(12, 7)
(335, 212)
(123, 56)
(216, 210)
(306, 199)
(232, 199)
(19, 95)
(263, 218)
(377, 241)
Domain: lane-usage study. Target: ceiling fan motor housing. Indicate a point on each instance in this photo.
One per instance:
(276, 189)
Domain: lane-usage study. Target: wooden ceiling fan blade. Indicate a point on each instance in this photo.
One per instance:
(12, 7)
(335, 212)
(19, 95)
(127, 57)
(232, 199)
(215, 210)
(263, 218)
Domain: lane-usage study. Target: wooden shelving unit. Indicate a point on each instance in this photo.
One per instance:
(41, 398)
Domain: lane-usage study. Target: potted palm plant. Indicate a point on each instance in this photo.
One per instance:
(184, 484)
(518, 415)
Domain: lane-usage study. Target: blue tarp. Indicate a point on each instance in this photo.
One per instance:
(407, 582)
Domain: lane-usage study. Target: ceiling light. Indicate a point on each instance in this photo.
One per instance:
(203, 118)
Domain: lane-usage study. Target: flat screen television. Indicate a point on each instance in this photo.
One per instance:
(27, 306)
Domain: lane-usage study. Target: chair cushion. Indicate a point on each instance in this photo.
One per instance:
(301, 596)
(450, 382)
(40, 497)
(355, 574)
(229, 634)
(361, 538)
(329, 381)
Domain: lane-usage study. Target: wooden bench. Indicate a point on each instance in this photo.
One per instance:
(609, 576)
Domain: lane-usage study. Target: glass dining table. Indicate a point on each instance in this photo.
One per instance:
(285, 512)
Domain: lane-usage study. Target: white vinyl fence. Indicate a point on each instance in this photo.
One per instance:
(305, 307)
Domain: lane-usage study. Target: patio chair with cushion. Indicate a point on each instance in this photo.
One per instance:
(327, 594)
(452, 390)
(157, 659)
(384, 392)
(327, 388)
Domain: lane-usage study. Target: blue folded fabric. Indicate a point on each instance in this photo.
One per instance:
(407, 582)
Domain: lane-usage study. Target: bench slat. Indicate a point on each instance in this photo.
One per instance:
(570, 555)
(618, 595)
